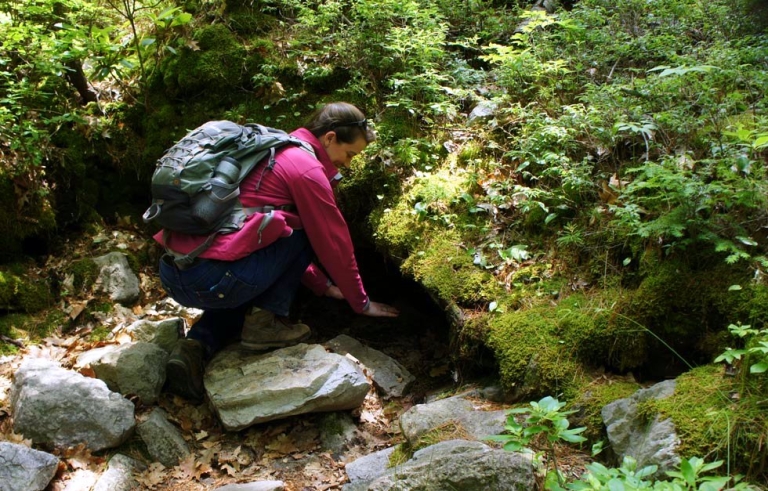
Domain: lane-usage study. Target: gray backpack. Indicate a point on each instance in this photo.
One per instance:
(196, 183)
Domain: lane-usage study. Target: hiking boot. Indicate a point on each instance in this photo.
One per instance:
(263, 330)
(184, 370)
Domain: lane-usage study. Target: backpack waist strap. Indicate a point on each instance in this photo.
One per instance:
(269, 208)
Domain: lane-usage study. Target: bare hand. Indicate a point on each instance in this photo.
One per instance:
(334, 292)
(376, 309)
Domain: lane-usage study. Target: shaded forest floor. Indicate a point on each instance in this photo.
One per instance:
(291, 450)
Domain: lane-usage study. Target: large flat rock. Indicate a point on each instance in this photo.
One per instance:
(246, 388)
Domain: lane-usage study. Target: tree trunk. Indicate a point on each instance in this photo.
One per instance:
(76, 77)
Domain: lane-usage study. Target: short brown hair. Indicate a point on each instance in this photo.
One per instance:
(343, 118)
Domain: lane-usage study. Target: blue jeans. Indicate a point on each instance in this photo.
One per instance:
(226, 290)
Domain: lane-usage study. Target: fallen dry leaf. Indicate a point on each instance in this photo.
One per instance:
(154, 475)
(185, 470)
(283, 444)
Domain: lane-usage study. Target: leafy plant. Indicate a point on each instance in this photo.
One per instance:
(627, 477)
(755, 350)
(545, 424)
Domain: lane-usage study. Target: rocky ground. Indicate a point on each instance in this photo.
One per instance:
(306, 452)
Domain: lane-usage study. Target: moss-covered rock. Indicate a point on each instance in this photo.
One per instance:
(446, 269)
(711, 423)
(24, 213)
(533, 361)
(596, 395)
(599, 337)
(216, 65)
(18, 293)
(81, 275)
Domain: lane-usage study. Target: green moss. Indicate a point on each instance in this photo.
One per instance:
(597, 335)
(532, 359)
(400, 455)
(331, 424)
(101, 333)
(397, 230)
(397, 124)
(216, 67)
(686, 303)
(50, 322)
(84, 273)
(594, 397)
(445, 268)
(136, 259)
(247, 20)
(470, 152)
(26, 295)
(29, 328)
(24, 213)
(700, 409)
(451, 430)
(714, 421)
(10, 327)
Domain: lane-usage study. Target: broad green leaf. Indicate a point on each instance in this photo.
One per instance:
(512, 446)
(759, 367)
(534, 430)
(710, 466)
(181, 19)
(571, 438)
(687, 472)
(760, 142)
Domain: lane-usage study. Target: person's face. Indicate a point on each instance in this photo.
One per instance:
(341, 154)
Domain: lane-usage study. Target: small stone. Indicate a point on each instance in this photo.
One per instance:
(25, 469)
(164, 441)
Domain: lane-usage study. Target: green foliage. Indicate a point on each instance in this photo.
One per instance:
(755, 350)
(690, 477)
(532, 359)
(393, 50)
(546, 423)
(23, 294)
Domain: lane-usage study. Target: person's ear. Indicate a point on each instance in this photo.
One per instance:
(328, 138)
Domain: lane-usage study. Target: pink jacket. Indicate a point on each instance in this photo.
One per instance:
(305, 181)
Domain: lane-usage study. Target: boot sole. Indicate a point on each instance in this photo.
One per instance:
(178, 382)
(277, 344)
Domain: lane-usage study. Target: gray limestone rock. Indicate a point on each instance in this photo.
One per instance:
(246, 388)
(479, 424)
(387, 374)
(63, 408)
(133, 368)
(456, 464)
(254, 486)
(164, 333)
(483, 110)
(164, 441)
(119, 475)
(116, 278)
(25, 469)
(650, 443)
(369, 467)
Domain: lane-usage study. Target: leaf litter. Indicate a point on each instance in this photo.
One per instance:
(287, 450)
